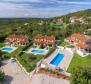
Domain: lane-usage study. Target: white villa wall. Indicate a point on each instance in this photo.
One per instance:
(82, 53)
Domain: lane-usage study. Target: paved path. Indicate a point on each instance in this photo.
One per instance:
(14, 74)
(44, 79)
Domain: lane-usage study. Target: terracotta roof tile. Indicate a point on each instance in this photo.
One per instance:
(83, 46)
(44, 39)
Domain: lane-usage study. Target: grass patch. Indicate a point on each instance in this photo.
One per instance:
(70, 46)
(29, 61)
(61, 26)
(64, 43)
(79, 61)
(2, 44)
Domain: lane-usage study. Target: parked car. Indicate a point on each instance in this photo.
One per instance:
(13, 59)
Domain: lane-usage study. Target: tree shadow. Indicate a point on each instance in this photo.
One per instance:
(8, 79)
(3, 64)
(5, 59)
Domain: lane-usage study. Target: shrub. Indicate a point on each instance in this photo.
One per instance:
(32, 58)
(28, 62)
(81, 75)
(50, 52)
(1, 77)
(27, 46)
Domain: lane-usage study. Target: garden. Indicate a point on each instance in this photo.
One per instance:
(79, 61)
(64, 43)
(29, 61)
(1, 44)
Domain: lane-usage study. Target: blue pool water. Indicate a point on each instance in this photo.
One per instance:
(57, 59)
(7, 49)
(38, 51)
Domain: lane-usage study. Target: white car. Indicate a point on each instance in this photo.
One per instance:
(13, 59)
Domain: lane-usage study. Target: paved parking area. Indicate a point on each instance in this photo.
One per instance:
(14, 74)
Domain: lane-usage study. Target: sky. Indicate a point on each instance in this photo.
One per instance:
(41, 8)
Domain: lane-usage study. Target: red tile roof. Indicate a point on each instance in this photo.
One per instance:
(82, 46)
(79, 39)
(44, 39)
(16, 39)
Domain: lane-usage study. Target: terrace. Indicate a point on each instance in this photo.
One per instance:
(63, 63)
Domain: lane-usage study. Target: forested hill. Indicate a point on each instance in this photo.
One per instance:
(84, 13)
(60, 27)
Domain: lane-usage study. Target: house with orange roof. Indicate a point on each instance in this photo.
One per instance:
(44, 40)
(15, 39)
(80, 42)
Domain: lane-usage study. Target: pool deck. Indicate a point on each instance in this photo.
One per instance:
(9, 51)
(44, 53)
(64, 64)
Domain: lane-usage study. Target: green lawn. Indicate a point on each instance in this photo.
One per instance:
(1, 44)
(29, 61)
(70, 46)
(60, 25)
(64, 43)
(79, 61)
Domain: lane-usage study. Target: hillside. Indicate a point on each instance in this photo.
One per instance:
(60, 27)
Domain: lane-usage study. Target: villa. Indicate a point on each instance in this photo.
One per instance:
(77, 19)
(81, 43)
(44, 40)
(16, 40)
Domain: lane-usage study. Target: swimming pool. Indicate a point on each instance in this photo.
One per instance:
(8, 49)
(38, 51)
(57, 59)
